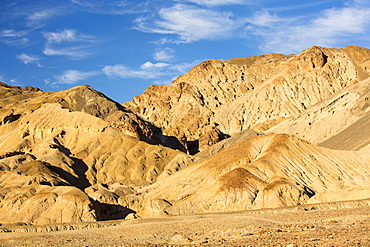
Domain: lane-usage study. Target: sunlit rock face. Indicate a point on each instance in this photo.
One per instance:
(220, 98)
(264, 171)
(246, 133)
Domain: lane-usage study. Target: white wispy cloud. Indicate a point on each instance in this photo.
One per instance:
(264, 18)
(218, 2)
(29, 59)
(147, 70)
(40, 16)
(191, 23)
(68, 42)
(13, 81)
(71, 77)
(67, 35)
(11, 33)
(34, 14)
(10, 81)
(298, 5)
(150, 65)
(161, 71)
(29, 16)
(165, 54)
(331, 27)
(13, 37)
(111, 7)
(74, 52)
(183, 68)
(161, 41)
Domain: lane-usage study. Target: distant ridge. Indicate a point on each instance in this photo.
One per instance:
(218, 99)
(246, 133)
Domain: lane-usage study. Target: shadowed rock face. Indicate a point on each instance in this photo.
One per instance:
(229, 135)
(53, 159)
(264, 172)
(249, 93)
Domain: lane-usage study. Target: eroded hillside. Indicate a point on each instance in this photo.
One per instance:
(221, 98)
(58, 148)
(230, 135)
(262, 172)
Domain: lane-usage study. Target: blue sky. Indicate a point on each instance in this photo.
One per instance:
(120, 47)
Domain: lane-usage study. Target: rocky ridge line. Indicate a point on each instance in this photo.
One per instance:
(218, 99)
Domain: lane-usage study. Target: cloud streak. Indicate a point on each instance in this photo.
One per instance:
(149, 70)
(165, 54)
(112, 7)
(35, 14)
(160, 71)
(67, 35)
(13, 37)
(191, 24)
(74, 52)
(71, 77)
(69, 42)
(218, 2)
(331, 27)
(40, 16)
(29, 59)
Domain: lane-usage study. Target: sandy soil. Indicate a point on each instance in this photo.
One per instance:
(285, 227)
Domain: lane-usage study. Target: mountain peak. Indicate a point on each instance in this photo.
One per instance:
(26, 88)
(244, 93)
(245, 133)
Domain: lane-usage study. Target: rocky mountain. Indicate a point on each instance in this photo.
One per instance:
(257, 132)
(262, 172)
(220, 98)
(59, 145)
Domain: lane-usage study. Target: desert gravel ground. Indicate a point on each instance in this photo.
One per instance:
(285, 227)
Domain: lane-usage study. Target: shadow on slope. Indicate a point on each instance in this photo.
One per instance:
(105, 211)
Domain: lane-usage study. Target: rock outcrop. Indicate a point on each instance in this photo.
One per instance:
(338, 122)
(244, 133)
(83, 99)
(248, 93)
(262, 172)
(55, 158)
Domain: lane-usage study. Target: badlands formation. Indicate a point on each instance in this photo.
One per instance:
(248, 133)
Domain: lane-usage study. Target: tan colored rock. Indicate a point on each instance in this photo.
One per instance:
(155, 207)
(53, 154)
(218, 147)
(41, 204)
(55, 135)
(41, 172)
(262, 172)
(256, 92)
(17, 102)
(193, 97)
(76, 155)
(339, 122)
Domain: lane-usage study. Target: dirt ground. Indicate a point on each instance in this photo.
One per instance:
(294, 227)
